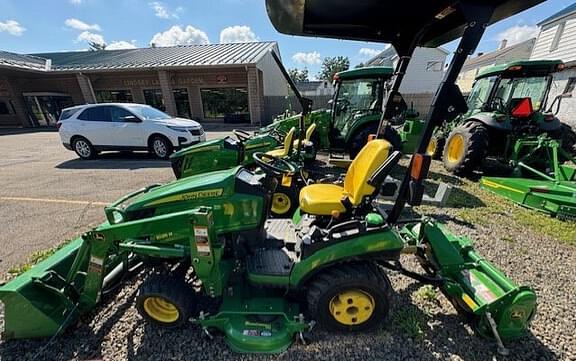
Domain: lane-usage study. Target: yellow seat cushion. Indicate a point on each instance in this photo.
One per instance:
(278, 153)
(286, 147)
(322, 199)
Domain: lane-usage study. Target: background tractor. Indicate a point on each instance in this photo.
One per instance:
(213, 257)
(507, 104)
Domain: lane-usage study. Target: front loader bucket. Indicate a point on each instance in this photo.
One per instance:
(35, 303)
(477, 287)
(557, 198)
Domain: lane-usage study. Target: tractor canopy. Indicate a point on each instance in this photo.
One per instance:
(367, 72)
(522, 68)
(431, 23)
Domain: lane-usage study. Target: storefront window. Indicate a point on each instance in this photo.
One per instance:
(182, 103)
(4, 108)
(114, 96)
(154, 98)
(226, 103)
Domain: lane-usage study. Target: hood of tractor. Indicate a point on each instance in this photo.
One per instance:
(209, 145)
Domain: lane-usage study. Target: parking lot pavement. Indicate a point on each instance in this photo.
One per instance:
(48, 195)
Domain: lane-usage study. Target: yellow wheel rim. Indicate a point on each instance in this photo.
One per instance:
(432, 146)
(456, 148)
(352, 307)
(161, 309)
(281, 203)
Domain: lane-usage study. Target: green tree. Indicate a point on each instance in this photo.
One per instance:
(94, 46)
(333, 65)
(358, 66)
(298, 75)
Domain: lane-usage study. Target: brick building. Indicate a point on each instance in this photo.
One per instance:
(216, 82)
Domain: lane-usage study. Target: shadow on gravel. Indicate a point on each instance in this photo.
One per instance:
(116, 160)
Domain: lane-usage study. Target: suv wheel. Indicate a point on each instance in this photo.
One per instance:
(160, 147)
(83, 148)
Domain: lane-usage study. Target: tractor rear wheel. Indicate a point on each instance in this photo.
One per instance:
(465, 148)
(166, 300)
(568, 138)
(349, 297)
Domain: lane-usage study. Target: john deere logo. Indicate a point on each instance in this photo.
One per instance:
(190, 196)
(99, 236)
(517, 315)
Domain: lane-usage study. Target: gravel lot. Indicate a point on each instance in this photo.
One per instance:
(421, 326)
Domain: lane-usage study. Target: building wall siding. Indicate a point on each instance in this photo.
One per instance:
(420, 80)
(566, 50)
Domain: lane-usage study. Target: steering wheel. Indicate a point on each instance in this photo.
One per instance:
(498, 102)
(277, 134)
(241, 135)
(272, 165)
(342, 105)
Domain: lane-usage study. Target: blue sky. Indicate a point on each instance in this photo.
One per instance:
(30, 26)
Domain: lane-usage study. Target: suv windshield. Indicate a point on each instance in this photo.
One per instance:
(531, 87)
(355, 98)
(147, 112)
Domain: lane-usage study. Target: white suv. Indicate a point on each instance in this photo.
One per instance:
(92, 128)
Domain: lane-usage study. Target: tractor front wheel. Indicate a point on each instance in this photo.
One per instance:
(166, 300)
(436, 146)
(465, 148)
(284, 202)
(360, 139)
(349, 298)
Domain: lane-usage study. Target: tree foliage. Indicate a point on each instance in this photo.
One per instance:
(94, 46)
(298, 74)
(333, 65)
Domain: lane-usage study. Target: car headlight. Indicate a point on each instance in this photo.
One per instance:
(178, 129)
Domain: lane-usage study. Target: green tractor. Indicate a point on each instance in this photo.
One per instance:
(355, 114)
(507, 104)
(215, 259)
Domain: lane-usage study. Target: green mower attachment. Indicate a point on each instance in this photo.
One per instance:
(552, 191)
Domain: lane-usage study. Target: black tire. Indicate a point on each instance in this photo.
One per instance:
(357, 282)
(160, 146)
(465, 148)
(284, 201)
(436, 146)
(359, 140)
(166, 294)
(83, 148)
(566, 135)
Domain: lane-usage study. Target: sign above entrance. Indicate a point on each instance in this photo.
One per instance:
(193, 80)
(221, 79)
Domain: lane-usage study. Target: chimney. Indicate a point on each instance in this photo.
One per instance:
(503, 44)
(479, 54)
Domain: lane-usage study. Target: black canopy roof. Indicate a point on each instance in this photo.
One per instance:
(395, 22)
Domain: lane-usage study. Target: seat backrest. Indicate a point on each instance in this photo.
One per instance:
(288, 142)
(310, 131)
(372, 156)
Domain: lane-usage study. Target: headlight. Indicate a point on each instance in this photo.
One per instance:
(178, 129)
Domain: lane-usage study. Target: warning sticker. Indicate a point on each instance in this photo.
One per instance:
(257, 333)
(202, 240)
(95, 265)
(479, 288)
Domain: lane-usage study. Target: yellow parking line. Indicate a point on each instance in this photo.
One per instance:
(50, 200)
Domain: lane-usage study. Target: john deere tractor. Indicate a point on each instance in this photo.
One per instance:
(355, 113)
(215, 259)
(507, 104)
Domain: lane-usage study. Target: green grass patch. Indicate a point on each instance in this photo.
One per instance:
(426, 293)
(34, 259)
(411, 321)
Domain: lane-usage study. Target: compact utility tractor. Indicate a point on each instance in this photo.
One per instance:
(355, 114)
(507, 104)
(264, 282)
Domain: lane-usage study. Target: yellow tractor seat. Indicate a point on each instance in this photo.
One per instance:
(325, 199)
(309, 133)
(286, 148)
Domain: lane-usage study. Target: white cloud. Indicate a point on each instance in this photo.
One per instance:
(12, 27)
(369, 52)
(307, 58)
(518, 33)
(80, 25)
(178, 36)
(90, 38)
(75, 2)
(121, 44)
(237, 34)
(162, 11)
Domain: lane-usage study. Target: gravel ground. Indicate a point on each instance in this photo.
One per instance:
(421, 325)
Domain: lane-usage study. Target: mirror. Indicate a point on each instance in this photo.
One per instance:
(131, 118)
